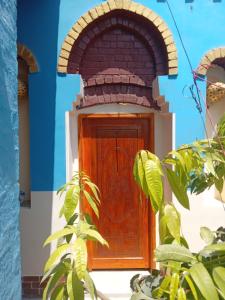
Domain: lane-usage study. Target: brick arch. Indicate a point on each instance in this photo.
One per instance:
(214, 56)
(123, 6)
(26, 54)
(118, 52)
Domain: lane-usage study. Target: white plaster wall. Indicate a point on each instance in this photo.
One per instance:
(36, 224)
(205, 211)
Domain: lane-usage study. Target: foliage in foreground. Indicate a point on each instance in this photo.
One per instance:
(193, 168)
(66, 270)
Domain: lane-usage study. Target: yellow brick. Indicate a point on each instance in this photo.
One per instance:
(158, 21)
(169, 40)
(82, 22)
(171, 48)
(126, 4)
(73, 34)
(173, 63)
(165, 33)
(140, 9)
(93, 13)
(87, 18)
(62, 69)
(152, 16)
(119, 4)
(222, 52)
(62, 62)
(133, 6)
(210, 56)
(105, 7)
(112, 4)
(100, 10)
(64, 53)
(66, 46)
(172, 55)
(173, 71)
(77, 28)
(216, 53)
(69, 40)
(147, 12)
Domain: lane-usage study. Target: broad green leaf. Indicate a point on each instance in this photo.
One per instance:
(80, 248)
(77, 287)
(140, 174)
(59, 234)
(178, 189)
(191, 286)
(219, 278)
(158, 293)
(91, 203)
(90, 286)
(54, 280)
(173, 221)
(154, 183)
(71, 201)
(173, 252)
(174, 283)
(163, 230)
(203, 281)
(207, 235)
(94, 190)
(97, 236)
(58, 293)
(220, 247)
(55, 256)
(181, 295)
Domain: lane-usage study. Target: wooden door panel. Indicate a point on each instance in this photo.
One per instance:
(108, 150)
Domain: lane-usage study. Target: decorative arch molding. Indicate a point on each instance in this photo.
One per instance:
(26, 54)
(214, 56)
(65, 64)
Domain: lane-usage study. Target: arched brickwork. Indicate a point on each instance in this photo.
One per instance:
(215, 56)
(119, 50)
(24, 53)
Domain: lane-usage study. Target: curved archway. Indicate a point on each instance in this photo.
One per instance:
(26, 54)
(107, 8)
(214, 56)
(119, 48)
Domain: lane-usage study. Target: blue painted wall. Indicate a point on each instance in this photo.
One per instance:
(10, 275)
(43, 25)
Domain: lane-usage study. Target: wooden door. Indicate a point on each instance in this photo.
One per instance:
(107, 149)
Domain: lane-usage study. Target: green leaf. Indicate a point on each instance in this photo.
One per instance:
(220, 247)
(58, 293)
(56, 255)
(172, 221)
(60, 270)
(174, 283)
(80, 248)
(178, 189)
(203, 281)
(158, 293)
(90, 286)
(219, 278)
(173, 252)
(191, 286)
(181, 295)
(207, 235)
(61, 233)
(163, 230)
(74, 286)
(97, 236)
(94, 190)
(140, 296)
(71, 201)
(154, 183)
(91, 203)
(139, 173)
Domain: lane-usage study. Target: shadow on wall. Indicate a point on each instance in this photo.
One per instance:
(38, 30)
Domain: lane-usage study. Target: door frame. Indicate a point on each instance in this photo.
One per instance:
(150, 118)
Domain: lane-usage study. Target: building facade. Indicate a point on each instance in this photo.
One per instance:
(99, 80)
